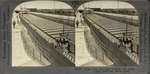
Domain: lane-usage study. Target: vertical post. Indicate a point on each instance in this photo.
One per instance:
(63, 29)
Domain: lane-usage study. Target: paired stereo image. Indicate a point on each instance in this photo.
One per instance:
(54, 34)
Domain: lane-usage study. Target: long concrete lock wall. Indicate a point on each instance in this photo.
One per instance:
(44, 45)
(109, 48)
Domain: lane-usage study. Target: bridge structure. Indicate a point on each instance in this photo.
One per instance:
(7, 7)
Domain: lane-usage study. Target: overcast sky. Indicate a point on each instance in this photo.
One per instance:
(61, 5)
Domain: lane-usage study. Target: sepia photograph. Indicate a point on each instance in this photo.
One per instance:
(95, 34)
